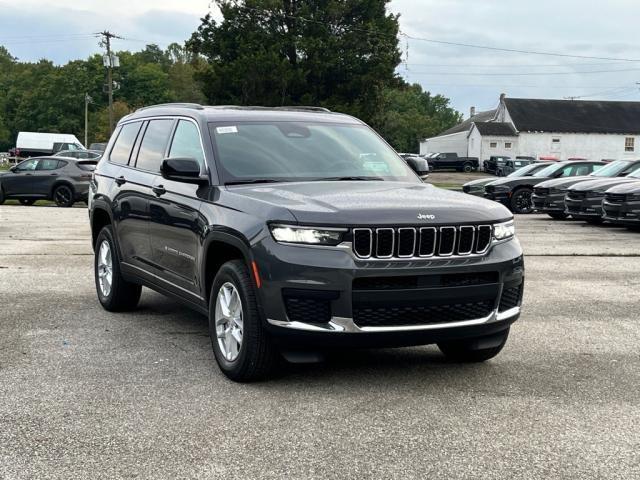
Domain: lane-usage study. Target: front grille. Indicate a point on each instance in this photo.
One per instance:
(489, 189)
(510, 298)
(408, 315)
(573, 195)
(541, 191)
(407, 242)
(466, 188)
(615, 197)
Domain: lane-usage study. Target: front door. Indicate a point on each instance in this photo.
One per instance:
(20, 181)
(177, 226)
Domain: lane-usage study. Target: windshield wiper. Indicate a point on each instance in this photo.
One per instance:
(347, 179)
(254, 180)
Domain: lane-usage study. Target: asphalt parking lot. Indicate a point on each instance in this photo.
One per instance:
(89, 394)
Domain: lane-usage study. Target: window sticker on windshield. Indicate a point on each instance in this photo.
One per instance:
(229, 129)
(377, 167)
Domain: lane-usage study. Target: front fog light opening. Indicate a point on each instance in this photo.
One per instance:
(503, 231)
(307, 235)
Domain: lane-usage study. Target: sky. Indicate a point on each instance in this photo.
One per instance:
(468, 76)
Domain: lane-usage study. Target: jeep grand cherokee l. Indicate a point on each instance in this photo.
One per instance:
(516, 193)
(548, 197)
(583, 201)
(297, 230)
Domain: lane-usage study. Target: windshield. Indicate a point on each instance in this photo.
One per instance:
(612, 170)
(550, 170)
(635, 174)
(305, 151)
(526, 171)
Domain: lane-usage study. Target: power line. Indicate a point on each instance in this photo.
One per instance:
(522, 74)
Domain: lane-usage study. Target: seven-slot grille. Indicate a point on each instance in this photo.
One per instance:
(408, 242)
(615, 197)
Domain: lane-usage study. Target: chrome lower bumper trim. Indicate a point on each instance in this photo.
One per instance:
(347, 325)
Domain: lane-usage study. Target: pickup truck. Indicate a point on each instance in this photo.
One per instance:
(451, 161)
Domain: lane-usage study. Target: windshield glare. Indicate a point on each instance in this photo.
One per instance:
(550, 170)
(525, 171)
(299, 151)
(611, 170)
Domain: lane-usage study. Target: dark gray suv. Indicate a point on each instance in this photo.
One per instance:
(297, 230)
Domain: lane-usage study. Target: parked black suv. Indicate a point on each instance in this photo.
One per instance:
(549, 196)
(516, 193)
(297, 230)
(63, 180)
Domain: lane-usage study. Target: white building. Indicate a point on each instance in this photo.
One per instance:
(562, 129)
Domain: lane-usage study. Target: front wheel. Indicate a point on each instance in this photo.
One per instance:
(558, 215)
(114, 292)
(63, 196)
(476, 349)
(521, 201)
(243, 349)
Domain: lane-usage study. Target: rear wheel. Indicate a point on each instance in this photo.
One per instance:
(243, 349)
(521, 201)
(467, 167)
(63, 196)
(1, 195)
(475, 349)
(557, 215)
(26, 201)
(114, 292)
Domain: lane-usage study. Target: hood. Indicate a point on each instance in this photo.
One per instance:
(602, 184)
(516, 181)
(563, 182)
(480, 181)
(628, 187)
(370, 203)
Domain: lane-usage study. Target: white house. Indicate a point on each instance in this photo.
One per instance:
(546, 128)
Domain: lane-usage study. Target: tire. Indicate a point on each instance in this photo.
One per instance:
(521, 201)
(63, 196)
(474, 350)
(467, 168)
(121, 296)
(1, 195)
(26, 202)
(253, 357)
(558, 215)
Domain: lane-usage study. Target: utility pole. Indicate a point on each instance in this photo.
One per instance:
(87, 101)
(109, 63)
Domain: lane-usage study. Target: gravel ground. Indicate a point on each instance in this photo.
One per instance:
(89, 394)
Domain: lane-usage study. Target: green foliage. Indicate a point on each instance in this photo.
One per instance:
(410, 114)
(340, 54)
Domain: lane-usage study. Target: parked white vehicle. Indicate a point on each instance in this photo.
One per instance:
(36, 144)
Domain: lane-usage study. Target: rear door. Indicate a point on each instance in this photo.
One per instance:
(46, 174)
(176, 225)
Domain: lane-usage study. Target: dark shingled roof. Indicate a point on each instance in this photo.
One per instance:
(580, 116)
(499, 129)
(466, 125)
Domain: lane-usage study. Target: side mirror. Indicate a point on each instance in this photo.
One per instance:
(185, 170)
(418, 165)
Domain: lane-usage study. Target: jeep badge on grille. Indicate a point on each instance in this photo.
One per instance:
(425, 216)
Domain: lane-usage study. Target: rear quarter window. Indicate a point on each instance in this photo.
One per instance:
(121, 151)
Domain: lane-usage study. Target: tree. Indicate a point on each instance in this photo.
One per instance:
(335, 53)
(410, 114)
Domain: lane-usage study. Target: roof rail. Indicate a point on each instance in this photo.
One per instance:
(305, 108)
(195, 106)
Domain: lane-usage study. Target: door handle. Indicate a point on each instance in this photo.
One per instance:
(159, 190)
(53, 174)
(121, 181)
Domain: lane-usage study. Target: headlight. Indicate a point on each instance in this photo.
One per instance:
(633, 197)
(309, 235)
(501, 188)
(502, 231)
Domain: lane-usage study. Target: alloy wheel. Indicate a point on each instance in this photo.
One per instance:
(228, 321)
(523, 202)
(105, 268)
(62, 196)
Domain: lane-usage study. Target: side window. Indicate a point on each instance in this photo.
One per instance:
(153, 145)
(186, 142)
(28, 165)
(121, 150)
(48, 164)
(583, 170)
(568, 171)
(595, 168)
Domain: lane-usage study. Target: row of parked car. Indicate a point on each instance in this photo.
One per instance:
(594, 191)
(63, 178)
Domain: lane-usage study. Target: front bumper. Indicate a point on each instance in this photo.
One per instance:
(502, 197)
(553, 202)
(331, 308)
(627, 213)
(585, 208)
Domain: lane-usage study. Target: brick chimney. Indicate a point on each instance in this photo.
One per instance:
(472, 112)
